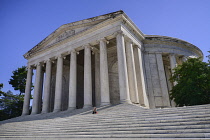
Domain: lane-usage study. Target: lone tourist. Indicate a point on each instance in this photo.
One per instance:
(95, 110)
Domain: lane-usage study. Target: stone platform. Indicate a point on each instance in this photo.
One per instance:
(123, 121)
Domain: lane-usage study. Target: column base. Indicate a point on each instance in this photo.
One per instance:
(105, 103)
(135, 102)
(71, 108)
(44, 112)
(56, 110)
(125, 102)
(25, 114)
(87, 106)
(34, 113)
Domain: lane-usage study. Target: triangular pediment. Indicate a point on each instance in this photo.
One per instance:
(69, 30)
(66, 33)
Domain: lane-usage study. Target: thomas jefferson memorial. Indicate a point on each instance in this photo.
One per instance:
(100, 61)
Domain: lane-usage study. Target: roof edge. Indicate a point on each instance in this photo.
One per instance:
(177, 40)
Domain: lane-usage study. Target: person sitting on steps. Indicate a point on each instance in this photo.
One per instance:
(95, 110)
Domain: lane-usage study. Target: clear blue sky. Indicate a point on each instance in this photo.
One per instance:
(24, 23)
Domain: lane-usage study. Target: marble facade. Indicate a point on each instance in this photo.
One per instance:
(101, 61)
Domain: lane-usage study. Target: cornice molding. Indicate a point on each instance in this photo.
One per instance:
(156, 39)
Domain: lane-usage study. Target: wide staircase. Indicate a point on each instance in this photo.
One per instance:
(112, 122)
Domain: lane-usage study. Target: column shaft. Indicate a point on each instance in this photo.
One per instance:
(46, 100)
(148, 74)
(172, 64)
(40, 92)
(87, 78)
(122, 69)
(35, 105)
(138, 56)
(104, 76)
(58, 85)
(27, 96)
(162, 77)
(97, 80)
(131, 73)
(73, 81)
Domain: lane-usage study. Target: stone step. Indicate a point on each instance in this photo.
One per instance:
(157, 117)
(192, 125)
(95, 118)
(91, 117)
(118, 121)
(121, 121)
(155, 112)
(169, 110)
(144, 114)
(179, 135)
(115, 122)
(107, 133)
(112, 130)
(125, 122)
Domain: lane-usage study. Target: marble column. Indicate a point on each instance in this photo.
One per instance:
(46, 100)
(173, 64)
(122, 69)
(87, 78)
(58, 85)
(148, 74)
(143, 99)
(73, 80)
(37, 87)
(27, 96)
(163, 81)
(143, 75)
(179, 60)
(104, 77)
(168, 75)
(131, 72)
(41, 91)
(97, 79)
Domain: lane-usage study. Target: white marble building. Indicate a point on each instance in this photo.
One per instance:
(100, 61)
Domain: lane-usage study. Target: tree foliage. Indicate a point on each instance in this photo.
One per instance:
(10, 105)
(208, 56)
(18, 80)
(193, 83)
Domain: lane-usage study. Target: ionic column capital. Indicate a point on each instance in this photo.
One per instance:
(141, 48)
(29, 67)
(120, 33)
(38, 64)
(60, 56)
(73, 51)
(86, 46)
(48, 60)
(172, 54)
(104, 40)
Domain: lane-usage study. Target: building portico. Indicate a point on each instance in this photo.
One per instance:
(101, 61)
